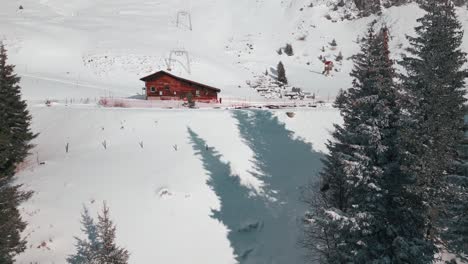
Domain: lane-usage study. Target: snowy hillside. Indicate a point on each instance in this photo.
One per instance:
(183, 186)
(101, 47)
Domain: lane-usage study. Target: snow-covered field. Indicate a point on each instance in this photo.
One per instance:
(164, 171)
(159, 196)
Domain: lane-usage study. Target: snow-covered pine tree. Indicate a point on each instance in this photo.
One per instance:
(347, 167)
(15, 137)
(109, 252)
(433, 106)
(454, 216)
(362, 214)
(281, 72)
(86, 249)
(11, 224)
(14, 117)
(368, 7)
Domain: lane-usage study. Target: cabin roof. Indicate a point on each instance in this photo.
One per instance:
(160, 73)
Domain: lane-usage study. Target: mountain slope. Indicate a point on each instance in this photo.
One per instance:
(110, 45)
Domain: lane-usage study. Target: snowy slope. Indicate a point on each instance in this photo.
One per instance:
(103, 47)
(159, 197)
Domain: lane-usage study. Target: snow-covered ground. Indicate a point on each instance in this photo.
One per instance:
(162, 195)
(159, 196)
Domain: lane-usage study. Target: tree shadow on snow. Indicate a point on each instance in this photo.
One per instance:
(263, 228)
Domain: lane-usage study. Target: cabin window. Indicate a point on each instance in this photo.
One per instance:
(167, 88)
(153, 89)
(197, 92)
(160, 93)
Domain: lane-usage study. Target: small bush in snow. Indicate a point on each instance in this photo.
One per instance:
(119, 104)
(190, 101)
(339, 57)
(296, 90)
(103, 102)
(111, 103)
(288, 50)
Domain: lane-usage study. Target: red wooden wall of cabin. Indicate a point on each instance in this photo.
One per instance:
(169, 85)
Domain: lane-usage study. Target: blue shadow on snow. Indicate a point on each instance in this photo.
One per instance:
(263, 228)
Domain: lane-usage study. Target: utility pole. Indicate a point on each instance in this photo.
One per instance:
(184, 15)
(180, 53)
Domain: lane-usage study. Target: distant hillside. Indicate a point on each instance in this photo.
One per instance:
(88, 49)
(368, 7)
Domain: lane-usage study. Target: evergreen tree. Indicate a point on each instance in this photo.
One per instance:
(14, 117)
(433, 107)
(333, 43)
(281, 73)
(99, 245)
(87, 249)
(109, 252)
(15, 137)
(368, 7)
(289, 50)
(11, 224)
(339, 57)
(363, 215)
(454, 220)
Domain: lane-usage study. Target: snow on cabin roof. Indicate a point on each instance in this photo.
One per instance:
(159, 73)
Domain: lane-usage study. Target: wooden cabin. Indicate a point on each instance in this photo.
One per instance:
(165, 86)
